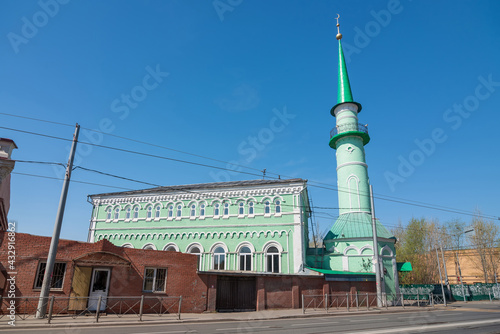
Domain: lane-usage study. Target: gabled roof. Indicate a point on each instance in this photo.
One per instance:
(203, 186)
(356, 225)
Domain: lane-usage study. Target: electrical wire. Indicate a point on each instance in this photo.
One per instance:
(402, 201)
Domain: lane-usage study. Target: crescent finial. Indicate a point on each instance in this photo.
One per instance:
(339, 35)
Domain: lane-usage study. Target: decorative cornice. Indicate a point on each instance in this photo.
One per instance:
(186, 196)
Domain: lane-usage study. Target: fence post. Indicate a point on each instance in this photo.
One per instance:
(489, 293)
(418, 300)
(431, 297)
(141, 307)
(51, 308)
(385, 301)
(347, 301)
(367, 302)
(326, 302)
(180, 303)
(403, 300)
(357, 301)
(98, 309)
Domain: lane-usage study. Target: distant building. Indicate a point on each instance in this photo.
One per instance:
(243, 226)
(6, 167)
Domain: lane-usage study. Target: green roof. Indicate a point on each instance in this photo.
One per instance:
(344, 94)
(338, 272)
(404, 266)
(356, 225)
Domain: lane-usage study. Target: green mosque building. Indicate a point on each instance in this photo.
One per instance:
(262, 226)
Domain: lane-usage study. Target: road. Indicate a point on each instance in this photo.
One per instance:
(481, 318)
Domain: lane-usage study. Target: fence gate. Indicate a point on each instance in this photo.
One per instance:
(236, 293)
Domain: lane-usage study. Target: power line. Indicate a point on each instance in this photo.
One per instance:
(76, 181)
(401, 201)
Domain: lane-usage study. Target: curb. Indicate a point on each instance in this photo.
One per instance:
(174, 321)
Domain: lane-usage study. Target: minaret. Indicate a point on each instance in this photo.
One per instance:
(349, 243)
(349, 138)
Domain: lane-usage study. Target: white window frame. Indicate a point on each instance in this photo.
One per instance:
(192, 211)
(156, 271)
(157, 212)
(251, 209)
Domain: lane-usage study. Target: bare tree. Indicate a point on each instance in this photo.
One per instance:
(484, 241)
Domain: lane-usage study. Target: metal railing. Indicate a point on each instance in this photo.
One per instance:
(348, 127)
(22, 308)
(366, 301)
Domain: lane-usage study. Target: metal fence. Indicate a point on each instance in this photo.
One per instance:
(367, 301)
(57, 307)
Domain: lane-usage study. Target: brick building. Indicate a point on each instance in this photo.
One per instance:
(91, 269)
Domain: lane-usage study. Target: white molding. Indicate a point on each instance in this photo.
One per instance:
(352, 163)
(198, 196)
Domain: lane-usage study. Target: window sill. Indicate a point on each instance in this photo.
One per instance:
(202, 218)
(192, 218)
(134, 220)
(277, 214)
(267, 215)
(157, 219)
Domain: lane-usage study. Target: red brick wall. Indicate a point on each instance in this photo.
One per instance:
(125, 280)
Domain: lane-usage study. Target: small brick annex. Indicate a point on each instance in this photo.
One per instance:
(127, 269)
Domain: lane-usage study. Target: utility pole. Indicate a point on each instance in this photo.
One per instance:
(51, 258)
(440, 277)
(447, 281)
(461, 280)
(375, 251)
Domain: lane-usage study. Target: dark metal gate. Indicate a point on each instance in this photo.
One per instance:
(236, 293)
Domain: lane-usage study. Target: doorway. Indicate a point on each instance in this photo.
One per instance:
(99, 287)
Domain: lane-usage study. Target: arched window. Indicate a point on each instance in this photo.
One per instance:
(108, 213)
(157, 211)
(128, 212)
(136, 212)
(171, 248)
(250, 208)
(117, 213)
(241, 208)
(193, 210)
(149, 246)
(277, 206)
(196, 251)
(272, 260)
(219, 258)
(245, 259)
(216, 209)
(267, 208)
(179, 210)
(170, 211)
(226, 209)
(149, 212)
(202, 210)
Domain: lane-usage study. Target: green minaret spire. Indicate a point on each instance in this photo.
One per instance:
(344, 91)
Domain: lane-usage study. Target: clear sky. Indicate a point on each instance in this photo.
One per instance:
(251, 82)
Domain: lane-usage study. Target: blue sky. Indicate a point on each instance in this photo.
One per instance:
(252, 82)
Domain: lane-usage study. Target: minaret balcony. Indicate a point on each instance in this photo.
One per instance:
(345, 130)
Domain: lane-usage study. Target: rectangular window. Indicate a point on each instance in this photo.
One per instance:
(57, 275)
(155, 280)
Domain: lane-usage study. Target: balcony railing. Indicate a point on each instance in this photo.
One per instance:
(348, 128)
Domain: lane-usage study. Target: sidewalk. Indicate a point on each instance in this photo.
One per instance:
(112, 320)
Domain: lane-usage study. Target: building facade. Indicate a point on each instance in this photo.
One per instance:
(245, 226)
(6, 167)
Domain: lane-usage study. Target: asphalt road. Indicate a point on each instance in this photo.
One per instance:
(468, 319)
